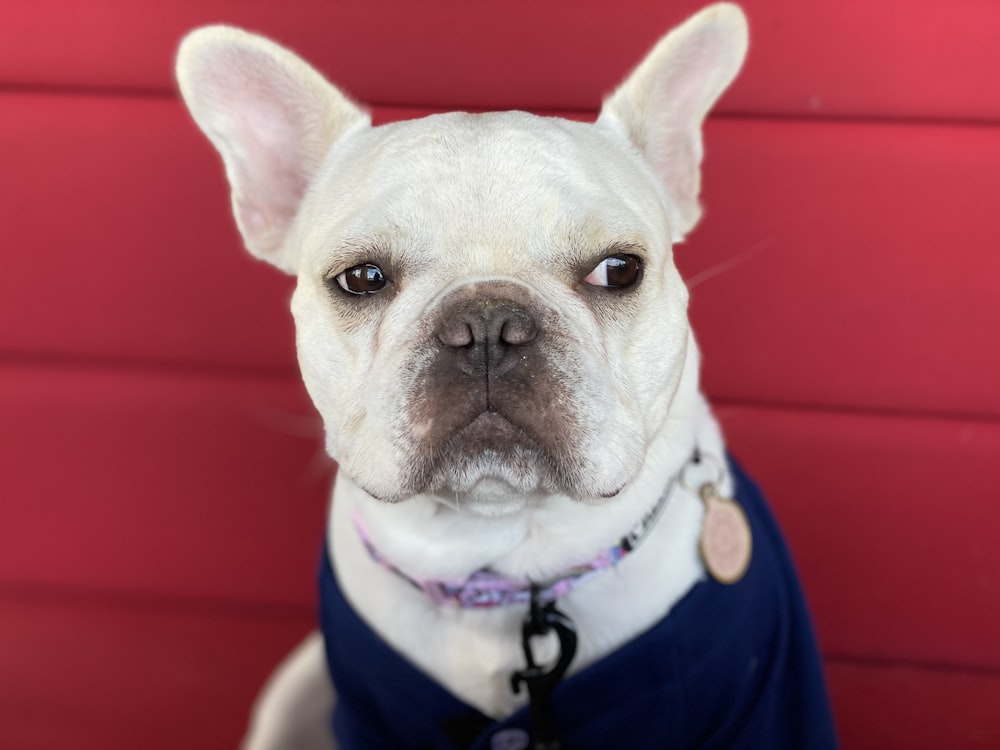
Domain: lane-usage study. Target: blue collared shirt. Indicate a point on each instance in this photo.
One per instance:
(730, 668)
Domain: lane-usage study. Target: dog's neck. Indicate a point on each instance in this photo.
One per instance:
(486, 588)
(473, 652)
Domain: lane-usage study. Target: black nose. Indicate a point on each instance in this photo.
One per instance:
(485, 335)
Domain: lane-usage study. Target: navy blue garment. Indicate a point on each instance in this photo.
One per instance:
(730, 668)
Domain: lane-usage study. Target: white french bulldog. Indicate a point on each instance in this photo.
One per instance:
(491, 325)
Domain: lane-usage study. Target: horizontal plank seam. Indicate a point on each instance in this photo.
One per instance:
(125, 365)
(851, 410)
(85, 597)
(885, 664)
(8, 87)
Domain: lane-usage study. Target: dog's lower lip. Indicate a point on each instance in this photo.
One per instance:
(493, 425)
(492, 417)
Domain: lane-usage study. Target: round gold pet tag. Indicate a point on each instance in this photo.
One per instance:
(726, 541)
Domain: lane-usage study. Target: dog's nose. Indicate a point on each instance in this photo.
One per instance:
(485, 334)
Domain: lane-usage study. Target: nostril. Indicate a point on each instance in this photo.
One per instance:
(518, 330)
(456, 334)
(489, 324)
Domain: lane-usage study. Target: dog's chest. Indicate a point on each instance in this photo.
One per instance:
(730, 667)
(474, 652)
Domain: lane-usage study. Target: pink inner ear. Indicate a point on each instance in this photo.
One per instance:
(272, 117)
(263, 143)
(268, 138)
(663, 102)
(257, 123)
(250, 218)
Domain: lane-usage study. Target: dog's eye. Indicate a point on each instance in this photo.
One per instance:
(363, 279)
(616, 272)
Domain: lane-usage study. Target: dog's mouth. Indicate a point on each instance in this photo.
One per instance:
(489, 458)
(492, 426)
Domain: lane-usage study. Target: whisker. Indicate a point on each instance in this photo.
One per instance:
(728, 265)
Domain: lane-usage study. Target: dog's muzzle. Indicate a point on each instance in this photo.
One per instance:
(493, 399)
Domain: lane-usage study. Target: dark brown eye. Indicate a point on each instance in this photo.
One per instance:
(616, 272)
(364, 279)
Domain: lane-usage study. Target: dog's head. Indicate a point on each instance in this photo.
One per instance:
(487, 305)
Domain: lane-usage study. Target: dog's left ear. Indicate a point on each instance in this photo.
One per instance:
(661, 106)
(272, 117)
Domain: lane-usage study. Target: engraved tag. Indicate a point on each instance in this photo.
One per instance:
(726, 541)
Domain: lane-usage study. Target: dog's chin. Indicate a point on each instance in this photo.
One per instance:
(490, 496)
(490, 466)
(490, 482)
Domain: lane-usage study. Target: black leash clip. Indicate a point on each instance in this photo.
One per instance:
(541, 680)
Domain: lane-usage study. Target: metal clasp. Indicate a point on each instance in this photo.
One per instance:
(541, 680)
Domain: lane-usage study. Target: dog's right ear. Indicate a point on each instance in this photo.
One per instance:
(661, 105)
(273, 119)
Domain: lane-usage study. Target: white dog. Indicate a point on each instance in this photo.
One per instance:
(491, 324)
